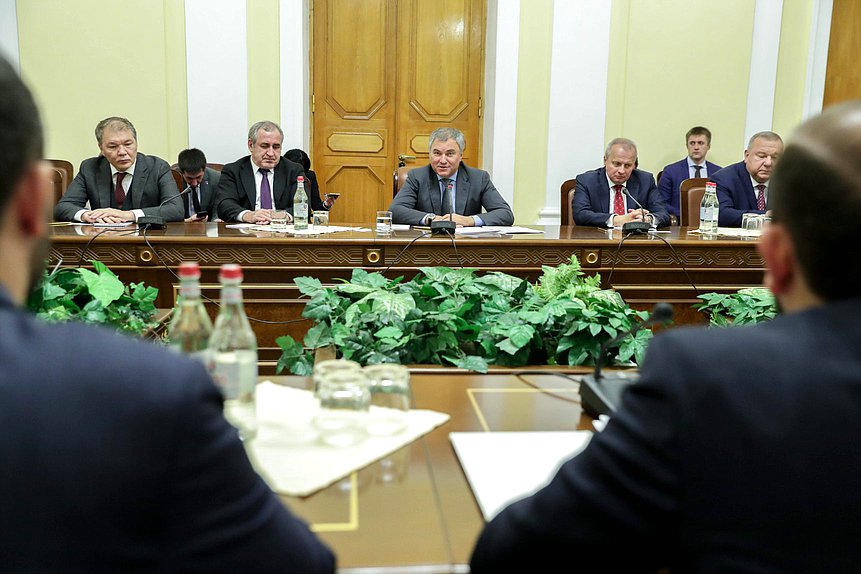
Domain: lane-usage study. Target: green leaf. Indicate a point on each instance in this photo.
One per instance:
(105, 287)
(318, 336)
(389, 332)
(470, 363)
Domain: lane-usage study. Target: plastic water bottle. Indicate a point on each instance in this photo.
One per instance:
(709, 210)
(233, 360)
(190, 327)
(300, 205)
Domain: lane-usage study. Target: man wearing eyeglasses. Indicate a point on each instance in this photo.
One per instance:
(449, 189)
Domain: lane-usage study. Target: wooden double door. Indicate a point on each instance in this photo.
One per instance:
(386, 73)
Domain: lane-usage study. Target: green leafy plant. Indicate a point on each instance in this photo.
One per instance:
(454, 317)
(96, 297)
(747, 306)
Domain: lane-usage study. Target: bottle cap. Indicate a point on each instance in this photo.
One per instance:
(189, 269)
(300, 179)
(230, 271)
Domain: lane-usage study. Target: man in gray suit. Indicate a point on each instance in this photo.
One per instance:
(448, 189)
(201, 183)
(120, 184)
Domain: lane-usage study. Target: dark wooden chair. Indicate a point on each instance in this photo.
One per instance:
(62, 173)
(398, 178)
(691, 193)
(566, 202)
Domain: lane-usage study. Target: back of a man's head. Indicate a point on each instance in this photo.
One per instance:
(815, 192)
(20, 131)
(191, 160)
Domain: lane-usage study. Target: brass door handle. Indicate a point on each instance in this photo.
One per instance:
(405, 157)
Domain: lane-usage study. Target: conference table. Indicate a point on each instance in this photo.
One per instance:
(673, 265)
(414, 510)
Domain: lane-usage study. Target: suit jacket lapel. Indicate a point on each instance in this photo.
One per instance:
(104, 185)
(604, 196)
(280, 184)
(434, 190)
(134, 197)
(462, 190)
(246, 176)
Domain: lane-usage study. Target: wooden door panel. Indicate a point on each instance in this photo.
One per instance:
(386, 73)
(842, 74)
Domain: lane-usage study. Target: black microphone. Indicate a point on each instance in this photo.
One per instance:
(600, 394)
(635, 226)
(157, 221)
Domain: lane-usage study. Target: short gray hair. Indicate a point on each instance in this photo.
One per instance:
(624, 142)
(266, 126)
(445, 134)
(766, 135)
(114, 123)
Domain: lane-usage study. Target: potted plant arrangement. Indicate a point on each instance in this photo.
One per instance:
(454, 317)
(747, 306)
(96, 297)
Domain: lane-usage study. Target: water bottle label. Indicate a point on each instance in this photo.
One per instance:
(226, 377)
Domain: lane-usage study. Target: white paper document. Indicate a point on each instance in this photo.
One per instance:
(503, 467)
(495, 229)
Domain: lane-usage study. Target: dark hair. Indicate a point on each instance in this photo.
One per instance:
(300, 157)
(21, 140)
(191, 161)
(699, 131)
(820, 209)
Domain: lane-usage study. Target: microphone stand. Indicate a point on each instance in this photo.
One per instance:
(601, 394)
(157, 221)
(639, 227)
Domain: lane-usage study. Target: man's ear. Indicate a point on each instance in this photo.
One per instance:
(777, 250)
(33, 200)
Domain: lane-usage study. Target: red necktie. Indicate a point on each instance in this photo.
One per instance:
(618, 201)
(760, 197)
(119, 193)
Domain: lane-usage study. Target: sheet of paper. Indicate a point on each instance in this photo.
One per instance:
(502, 467)
(499, 229)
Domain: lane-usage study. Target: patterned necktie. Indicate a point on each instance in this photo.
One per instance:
(618, 201)
(446, 196)
(760, 197)
(265, 191)
(697, 170)
(119, 192)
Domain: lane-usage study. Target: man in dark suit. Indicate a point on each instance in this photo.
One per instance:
(743, 187)
(698, 141)
(254, 185)
(116, 455)
(200, 185)
(602, 197)
(121, 184)
(737, 449)
(449, 189)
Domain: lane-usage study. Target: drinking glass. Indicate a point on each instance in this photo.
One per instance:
(328, 367)
(321, 219)
(278, 219)
(754, 222)
(384, 222)
(344, 403)
(389, 385)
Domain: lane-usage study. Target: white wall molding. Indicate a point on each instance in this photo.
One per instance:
(763, 67)
(576, 116)
(217, 76)
(295, 74)
(9, 33)
(817, 57)
(500, 93)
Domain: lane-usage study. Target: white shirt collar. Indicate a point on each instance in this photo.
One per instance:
(130, 170)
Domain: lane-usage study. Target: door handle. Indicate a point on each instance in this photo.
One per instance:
(402, 159)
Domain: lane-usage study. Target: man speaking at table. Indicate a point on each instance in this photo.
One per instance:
(737, 450)
(121, 184)
(449, 189)
(116, 456)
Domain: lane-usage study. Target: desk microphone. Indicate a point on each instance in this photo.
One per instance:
(635, 226)
(157, 221)
(600, 394)
(443, 226)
